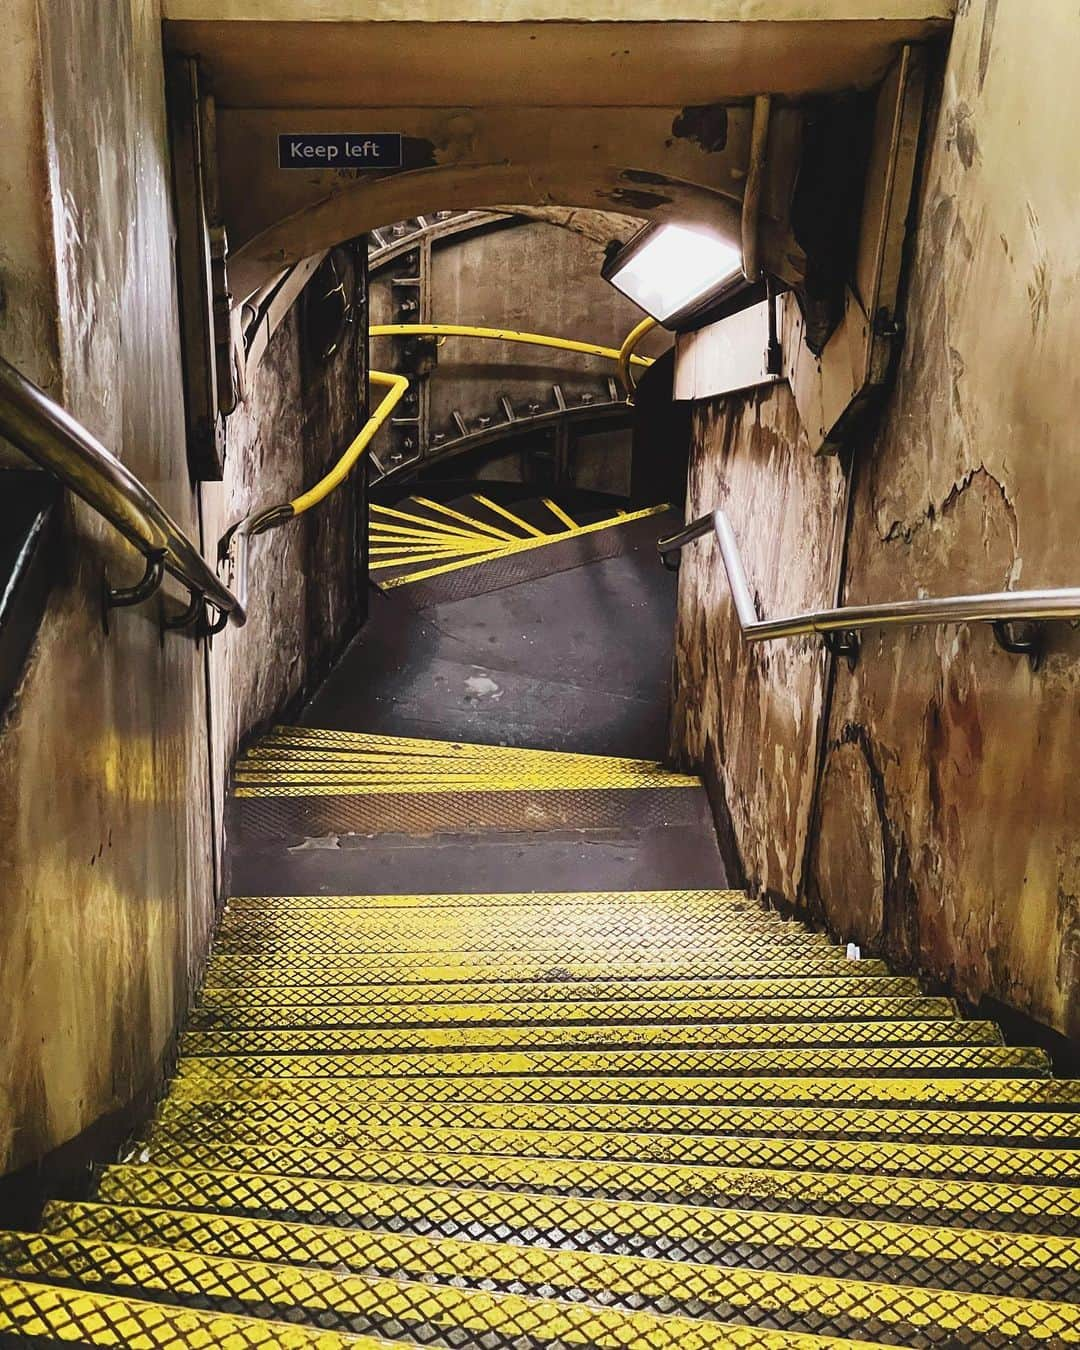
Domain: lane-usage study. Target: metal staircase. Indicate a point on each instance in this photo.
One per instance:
(599, 1119)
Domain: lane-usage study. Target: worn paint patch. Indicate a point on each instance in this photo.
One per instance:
(705, 125)
(748, 714)
(638, 199)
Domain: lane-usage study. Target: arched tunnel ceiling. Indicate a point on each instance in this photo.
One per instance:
(629, 115)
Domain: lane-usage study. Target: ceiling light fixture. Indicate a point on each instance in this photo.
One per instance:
(677, 273)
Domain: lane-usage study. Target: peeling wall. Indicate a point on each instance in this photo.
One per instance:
(948, 806)
(106, 891)
(749, 714)
(107, 775)
(306, 593)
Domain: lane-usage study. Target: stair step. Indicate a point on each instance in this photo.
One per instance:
(557, 965)
(522, 1121)
(537, 1075)
(261, 1017)
(643, 1034)
(443, 1232)
(956, 1183)
(327, 1115)
(505, 1290)
(439, 1314)
(44, 1314)
(755, 996)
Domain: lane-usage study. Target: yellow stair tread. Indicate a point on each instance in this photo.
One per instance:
(643, 1034)
(400, 1305)
(675, 1231)
(647, 1287)
(995, 1183)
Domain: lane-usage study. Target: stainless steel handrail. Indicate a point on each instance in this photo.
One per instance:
(996, 607)
(41, 429)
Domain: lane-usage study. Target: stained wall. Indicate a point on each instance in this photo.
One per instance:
(110, 775)
(944, 810)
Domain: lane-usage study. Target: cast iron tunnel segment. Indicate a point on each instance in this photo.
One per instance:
(517, 1119)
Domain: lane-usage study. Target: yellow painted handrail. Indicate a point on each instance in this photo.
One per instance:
(236, 541)
(627, 357)
(502, 335)
(396, 385)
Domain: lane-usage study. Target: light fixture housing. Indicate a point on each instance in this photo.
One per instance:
(680, 274)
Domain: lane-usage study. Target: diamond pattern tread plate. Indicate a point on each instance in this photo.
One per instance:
(600, 1034)
(296, 811)
(271, 1023)
(44, 1314)
(504, 1290)
(981, 1186)
(755, 994)
(421, 1218)
(461, 1075)
(519, 1121)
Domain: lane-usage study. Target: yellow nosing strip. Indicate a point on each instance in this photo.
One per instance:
(441, 534)
(510, 516)
(421, 524)
(380, 1304)
(288, 784)
(559, 514)
(394, 1214)
(284, 1110)
(478, 526)
(50, 1313)
(994, 1181)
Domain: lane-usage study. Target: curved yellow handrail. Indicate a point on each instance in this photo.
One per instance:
(502, 335)
(627, 358)
(397, 385)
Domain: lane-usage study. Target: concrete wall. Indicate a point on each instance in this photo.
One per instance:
(947, 805)
(107, 774)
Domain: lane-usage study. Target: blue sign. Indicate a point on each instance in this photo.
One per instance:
(340, 150)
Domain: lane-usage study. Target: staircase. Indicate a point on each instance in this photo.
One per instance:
(657, 1118)
(488, 1055)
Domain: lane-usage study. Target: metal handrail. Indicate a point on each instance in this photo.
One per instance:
(996, 607)
(41, 429)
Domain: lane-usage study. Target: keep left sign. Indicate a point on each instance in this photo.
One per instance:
(340, 150)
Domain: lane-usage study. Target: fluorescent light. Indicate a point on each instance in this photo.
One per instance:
(670, 271)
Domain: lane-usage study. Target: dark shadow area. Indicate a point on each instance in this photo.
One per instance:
(575, 660)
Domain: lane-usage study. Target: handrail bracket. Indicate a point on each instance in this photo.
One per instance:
(1022, 637)
(119, 597)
